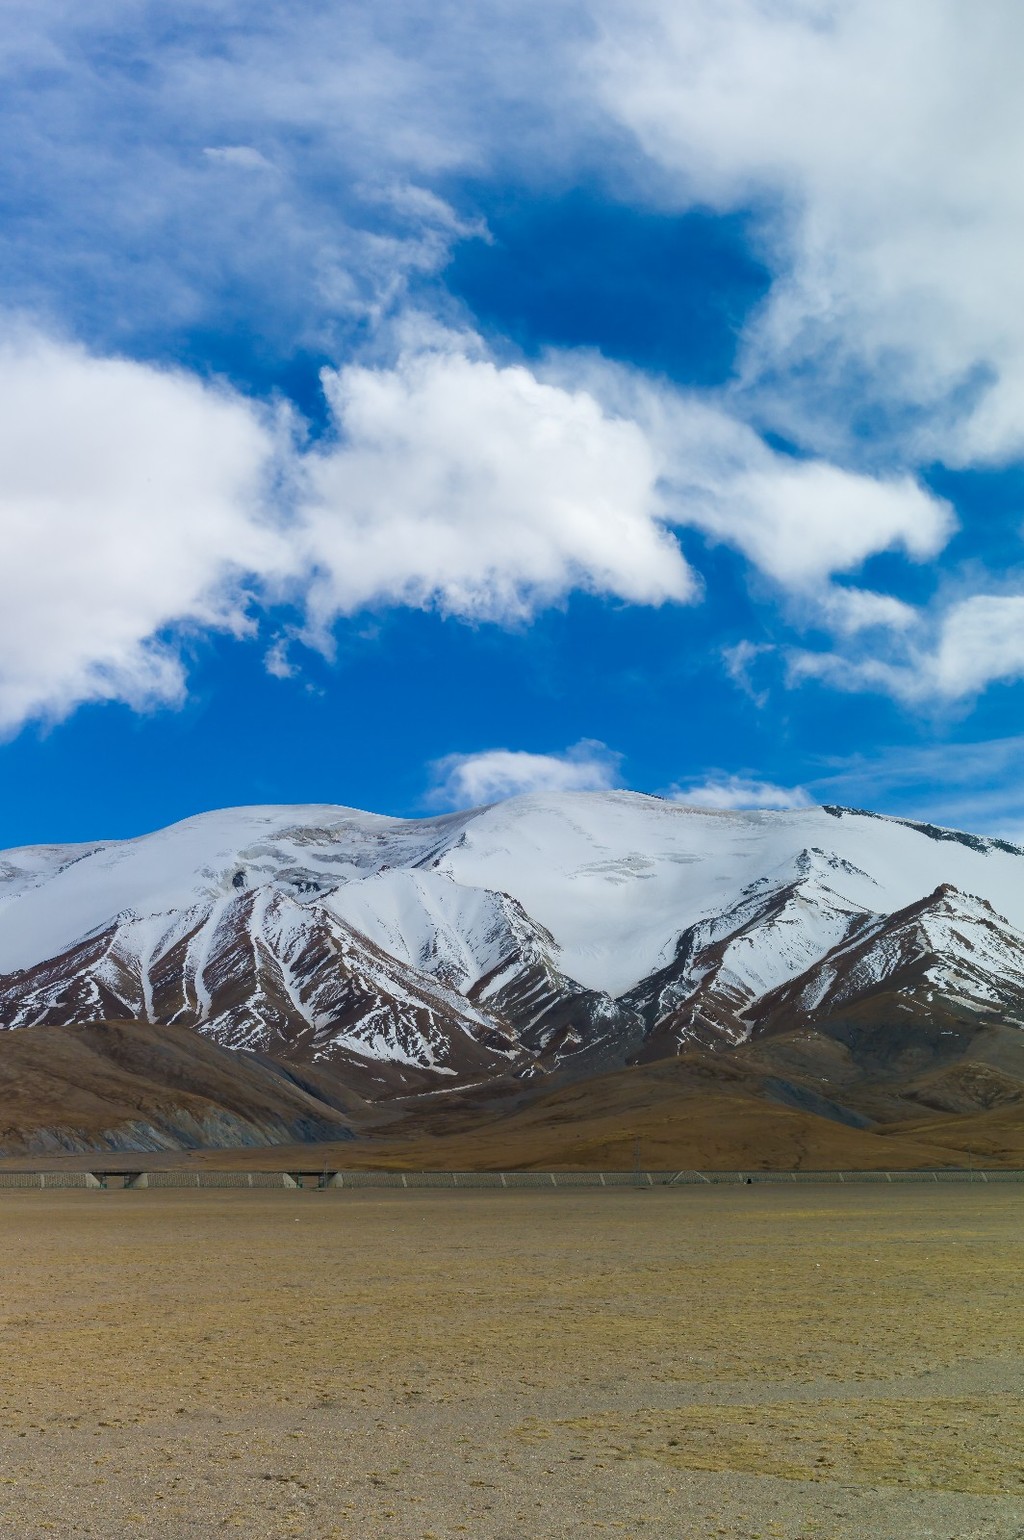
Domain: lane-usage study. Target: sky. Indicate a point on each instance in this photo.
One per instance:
(408, 406)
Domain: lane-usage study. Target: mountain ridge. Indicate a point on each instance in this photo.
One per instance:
(532, 942)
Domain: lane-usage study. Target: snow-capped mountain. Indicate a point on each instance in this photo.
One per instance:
(561, 931)
(949, 948)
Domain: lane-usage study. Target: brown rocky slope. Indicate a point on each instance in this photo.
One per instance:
(130, 1086)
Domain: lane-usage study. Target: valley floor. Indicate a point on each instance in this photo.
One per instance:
(818, 1364)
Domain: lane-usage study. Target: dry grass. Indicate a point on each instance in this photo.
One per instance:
(947, 1444)
(407, 1364)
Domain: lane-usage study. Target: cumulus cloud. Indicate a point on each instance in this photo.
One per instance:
(981, 639)
(137, 501)
(724, 792)
(458, 482)
(132, 500)
(448, 479)
(488, 489)
(467, 780)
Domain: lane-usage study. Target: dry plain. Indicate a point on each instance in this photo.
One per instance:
(824, 1363)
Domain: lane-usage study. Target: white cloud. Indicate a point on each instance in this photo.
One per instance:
(849, 611)
(865, 674)
(467, 780)
(739, 661)
(450, 481)
(878, 143)
(883, 142)
(799, 520)
(242, 157)
(424, 206)
(975, 642)
(135, 500)
(478, 488)
(276, 660)
(132, 226)
(131, 500)
(737, 791)
(981, 639)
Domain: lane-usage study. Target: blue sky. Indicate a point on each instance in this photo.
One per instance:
(404, 406)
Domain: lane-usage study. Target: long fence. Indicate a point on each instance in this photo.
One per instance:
(466, 1180)
(648, 1178)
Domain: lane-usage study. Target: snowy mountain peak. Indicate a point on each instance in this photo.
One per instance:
(546, 929)
(948, 944)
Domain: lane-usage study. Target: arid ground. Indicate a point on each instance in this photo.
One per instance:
(823, 1363)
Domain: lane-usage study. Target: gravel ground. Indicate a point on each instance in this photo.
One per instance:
(818, 1364)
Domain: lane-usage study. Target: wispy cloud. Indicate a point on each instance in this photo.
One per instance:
(240, 156)
(948, 656)
(467, 780)
(977, 786)
(739, 661)
(276, 660)
(144, 152)
(726, 792)
(892, 234)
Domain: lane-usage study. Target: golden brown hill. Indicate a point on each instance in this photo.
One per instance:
(130, 1086)
(686, 1115)
(803, 1101)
